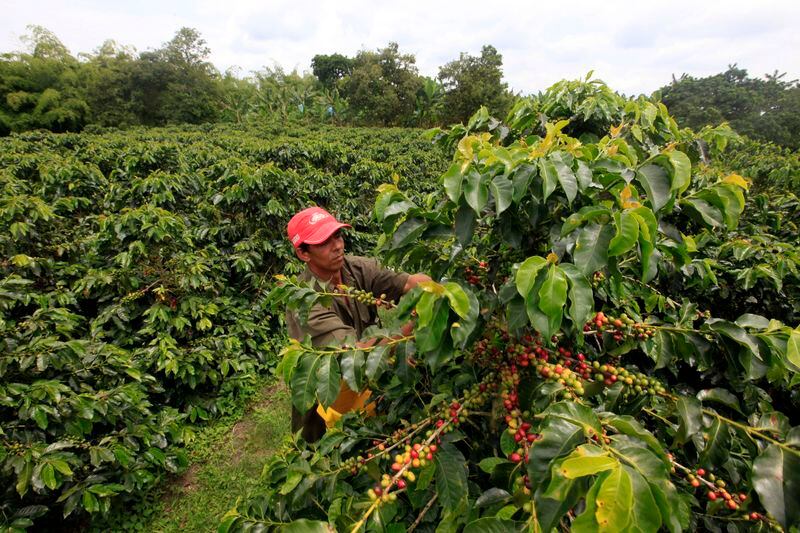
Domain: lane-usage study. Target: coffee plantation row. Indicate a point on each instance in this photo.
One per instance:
(601, 331)
(610, 344)
(134, 271)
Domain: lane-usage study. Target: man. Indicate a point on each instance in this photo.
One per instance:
(317, 239)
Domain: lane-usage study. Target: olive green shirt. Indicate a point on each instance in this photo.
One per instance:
(346, 318)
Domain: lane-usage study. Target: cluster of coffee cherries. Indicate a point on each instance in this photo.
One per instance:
(354, 465)
(558, 372)
(415, 455)
(15, 448)
(700, 315)
(163, 296)
(364, 297)
(457, 412)
(636, 381)
(567, 370)
(132, 296)
(598, 278)
(477, 275)
(619, 328)
(572, 370)
(516, 419)
(486, 354)
(523, 484)
(717, 494)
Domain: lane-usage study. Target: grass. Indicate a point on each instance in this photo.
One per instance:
(226, 461)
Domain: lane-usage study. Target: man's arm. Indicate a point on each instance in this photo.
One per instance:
(323, 325)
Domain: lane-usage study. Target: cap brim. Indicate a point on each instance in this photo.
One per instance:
(324, 232)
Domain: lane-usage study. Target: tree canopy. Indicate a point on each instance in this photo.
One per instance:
(383, 85)
(767, 109)
(329, 69)
(39, 88)
(44, 86)
(474, 81)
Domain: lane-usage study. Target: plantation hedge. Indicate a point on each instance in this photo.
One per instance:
(133, 270)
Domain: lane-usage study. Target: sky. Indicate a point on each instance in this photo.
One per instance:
(634, 46)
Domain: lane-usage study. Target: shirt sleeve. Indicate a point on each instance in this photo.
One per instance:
(324, 326)
(380, 280)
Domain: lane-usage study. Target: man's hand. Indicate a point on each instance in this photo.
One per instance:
(407, 329)
(414, 280)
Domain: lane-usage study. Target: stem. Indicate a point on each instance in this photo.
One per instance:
(435, 435)
(420, 426)
(423, 513)
(656, 415)
(753, 431)
(687, 470)
(390, 341)
(533, 521)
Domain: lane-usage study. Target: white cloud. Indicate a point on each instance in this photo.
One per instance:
(633, 46)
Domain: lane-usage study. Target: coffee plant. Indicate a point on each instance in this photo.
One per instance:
(133, 273)
(595, 355)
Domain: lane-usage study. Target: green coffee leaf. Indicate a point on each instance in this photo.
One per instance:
(490, 463)
(682, 170)
(567, 179)
(352, 366)
(614, 501)
(303, 384)
(627, 234)
(776, 478)
(581, 296)
(655, 180)
(591, 248)
(645, 514)
(553, 293)
(453, 179)
(690, 416)
(459, 302)
(476, 190)
(578, 465)
(503, 190)
(376, 361)
(451, 476)
(549, 174)
(793, 347)
(526, 275)
(328, 377)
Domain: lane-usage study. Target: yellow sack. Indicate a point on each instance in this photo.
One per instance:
(347, 401)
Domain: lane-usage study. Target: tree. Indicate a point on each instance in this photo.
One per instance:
(766, 109)
(329, 69)
(43, 44)
(192, 91)
(239, 97)
(41, 88)
(429, 104)
(176, 83)
(108, 77)
(382, 86)
(285, 95)
(188, 48)
(471, 82)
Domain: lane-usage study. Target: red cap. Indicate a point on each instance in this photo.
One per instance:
(312, 226)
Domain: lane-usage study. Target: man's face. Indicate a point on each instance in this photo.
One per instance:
(326, 258)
